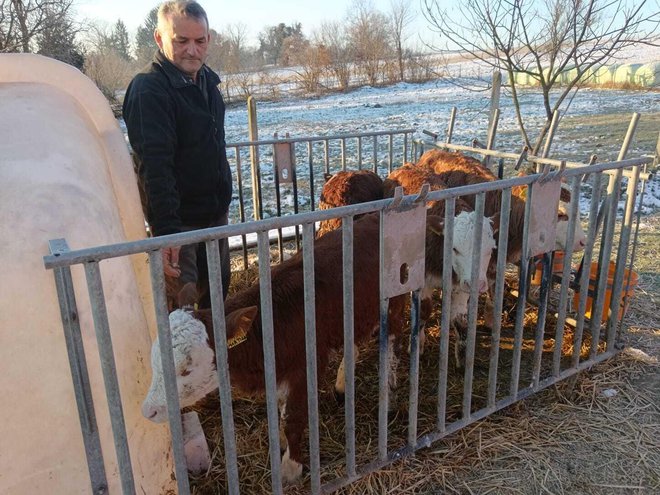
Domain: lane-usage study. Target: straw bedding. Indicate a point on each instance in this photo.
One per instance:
(596, 433)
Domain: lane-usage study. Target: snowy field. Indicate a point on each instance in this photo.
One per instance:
(428, 106)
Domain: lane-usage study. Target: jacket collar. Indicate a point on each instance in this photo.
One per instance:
(177, 78)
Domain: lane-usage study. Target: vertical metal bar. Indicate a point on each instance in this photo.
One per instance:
(294, 178)
(169, 371)
(222, 364)
(253, 130)
(78, 364)
(359, 152)
(270, 379)
(502, 247)
(472, 306)
(390, 153)
(495, 97)
(405, 148)
(551, 134)
(349, 356)
(414, 370)
(492, 131)
(278, 204)
(622, 255)
(343, 154)
(383, 368)
(546, 283)
(604, 258)
(522, 290)
(310, 165)
(375, 138)
(613, 191)
(107, 358)
(450, 127)
(640, 203)
(383, 385)
(447, 272)
(241, 205)
(310, 352)
(586, 269)
(573, 219)
(326, 150)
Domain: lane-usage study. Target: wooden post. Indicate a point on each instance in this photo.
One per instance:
(254, 156)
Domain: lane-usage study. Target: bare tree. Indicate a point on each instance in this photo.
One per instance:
(332, 36)
(22, 21)
(312, 63)
(369, 37)
(401, 15)
(544, 39)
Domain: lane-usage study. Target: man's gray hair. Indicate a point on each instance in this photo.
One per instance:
(186, 8)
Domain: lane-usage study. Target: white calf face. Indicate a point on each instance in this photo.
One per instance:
(463, 246)
(194, 363)
(580, 238)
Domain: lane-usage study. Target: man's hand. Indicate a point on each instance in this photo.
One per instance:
(171, 261)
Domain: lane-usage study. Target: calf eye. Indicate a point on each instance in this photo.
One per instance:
(562, 216)
(185, 372)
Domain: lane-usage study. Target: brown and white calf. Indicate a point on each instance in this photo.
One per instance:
(348, 188)
(456, 169)
(194, 352)
(412, 178)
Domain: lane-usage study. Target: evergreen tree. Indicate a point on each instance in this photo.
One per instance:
(145, 46)
(58, 40)
(271, 40)
(120, 41)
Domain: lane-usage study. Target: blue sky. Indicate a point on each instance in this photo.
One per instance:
(255, 14)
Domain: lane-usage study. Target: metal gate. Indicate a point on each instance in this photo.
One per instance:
(527, 373)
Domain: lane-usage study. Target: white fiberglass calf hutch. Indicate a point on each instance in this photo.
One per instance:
(65, 172)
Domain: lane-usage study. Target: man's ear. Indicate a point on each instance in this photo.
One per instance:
(158, 38)
(436, 224)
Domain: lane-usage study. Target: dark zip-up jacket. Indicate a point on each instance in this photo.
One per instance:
(178, 140)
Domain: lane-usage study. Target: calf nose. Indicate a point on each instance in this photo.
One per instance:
(483, 286)
(151, 412)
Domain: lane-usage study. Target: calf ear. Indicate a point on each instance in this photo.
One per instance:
(495, 221)
(188, 296)
(240, 321)
(436, 224)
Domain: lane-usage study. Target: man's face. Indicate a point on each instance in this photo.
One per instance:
(184, 41)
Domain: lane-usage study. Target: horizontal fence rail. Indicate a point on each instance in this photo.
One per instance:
(513, 355)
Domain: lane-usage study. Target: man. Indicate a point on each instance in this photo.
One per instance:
(175, 115)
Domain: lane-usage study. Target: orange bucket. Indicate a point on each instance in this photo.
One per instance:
(630, 279)
(557, 266)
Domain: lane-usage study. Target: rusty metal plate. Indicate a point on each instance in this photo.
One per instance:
(404, 234)
(285, 162)
(543, 219)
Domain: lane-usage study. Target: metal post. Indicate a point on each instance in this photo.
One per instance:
(310, 352)
(270, 379)
(349, 355)
(78, 364)
(169, 371)
(253, 132)
(106, 355)
(222, 364)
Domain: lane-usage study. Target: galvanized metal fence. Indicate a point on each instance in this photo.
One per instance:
(524, 376)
